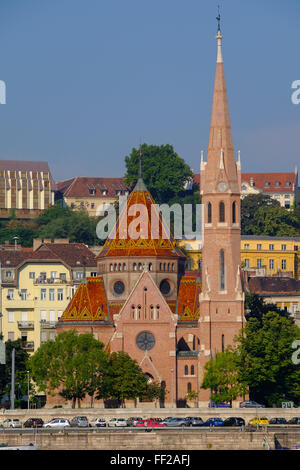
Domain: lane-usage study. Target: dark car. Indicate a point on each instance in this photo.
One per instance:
(33, 423)
(251, 404)
(294, 421)
(196, 422)
(177, 422)
(233, 421)
(277, 421)
(79, 421)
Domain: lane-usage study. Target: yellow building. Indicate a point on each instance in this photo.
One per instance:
(36, 287)
(260, 255)
(27, 188)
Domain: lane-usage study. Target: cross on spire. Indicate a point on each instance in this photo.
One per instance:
(218, 18)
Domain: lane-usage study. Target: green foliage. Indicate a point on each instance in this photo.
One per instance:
(262, 215)
(255, 307)
(124, 379)
(264, 358)
(222, 377)
(74, 364)
(21, 358)
(163, 171)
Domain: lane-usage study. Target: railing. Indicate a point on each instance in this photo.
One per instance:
(28, 345)
(48, 324)
(51, 281)
(26, 325)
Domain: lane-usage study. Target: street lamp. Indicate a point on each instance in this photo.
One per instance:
(28, 389)
(16, 238)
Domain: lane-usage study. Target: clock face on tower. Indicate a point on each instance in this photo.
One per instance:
(145, 341)
(222, 186)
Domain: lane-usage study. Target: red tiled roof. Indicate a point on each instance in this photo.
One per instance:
(81, 186)
(274, 285)
(260, 179)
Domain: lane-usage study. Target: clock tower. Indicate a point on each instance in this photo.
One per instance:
(221, 299)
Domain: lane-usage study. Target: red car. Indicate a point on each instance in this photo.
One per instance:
(150, 423)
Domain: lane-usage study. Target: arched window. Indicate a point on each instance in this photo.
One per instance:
(150, 266)
(111, 267)
(221, 212)
(134, 266)
(186, 370)
(222, 270)
(115, 267)
(234, 212)
(140, 267)
(192, 370)
(120, 267)
(223, 343)
(189, 387)
(209, 213)
(124, 266)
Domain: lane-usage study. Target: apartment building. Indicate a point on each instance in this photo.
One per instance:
(90, 193)
(36, 286)
(26, 188)
(260, 255)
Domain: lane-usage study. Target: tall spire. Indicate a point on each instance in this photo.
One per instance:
(220, 135)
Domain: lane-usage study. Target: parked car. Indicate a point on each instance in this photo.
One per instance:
(294, 421)
(133, 421)
(11, 423)
(213, 422)
(277, 421)
(233, 421)
(120, 422)
(33, 423)
(79, 421)
(177, 422)
(57, 423)
(98, 423)
(196, 422)
(220, 405)
(261, 421)
(251, 404)
(149, 423)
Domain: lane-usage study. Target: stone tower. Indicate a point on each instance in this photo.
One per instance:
(221, 299)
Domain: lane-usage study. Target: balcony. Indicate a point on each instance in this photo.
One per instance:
(26, 325)
(46, 325)
(51, 280)
(28, 345)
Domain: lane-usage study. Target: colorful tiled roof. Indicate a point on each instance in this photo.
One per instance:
(89, 303)
(188, 297)
(154, 237)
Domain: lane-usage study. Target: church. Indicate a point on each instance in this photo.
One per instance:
(144, 303)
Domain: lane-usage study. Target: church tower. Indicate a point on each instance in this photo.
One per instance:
(221, 299)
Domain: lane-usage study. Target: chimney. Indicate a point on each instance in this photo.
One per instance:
(37, 242)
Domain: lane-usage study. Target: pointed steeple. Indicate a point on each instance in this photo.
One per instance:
(140, 185)
(220, 135)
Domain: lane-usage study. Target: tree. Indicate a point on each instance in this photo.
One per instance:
(124, 379)
(255, 307)
(21, 358)
(72, 365)
(264, 358)
(222, 377)
(262, 215)
(165, 174)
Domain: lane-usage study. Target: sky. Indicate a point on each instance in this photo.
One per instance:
(88, 80)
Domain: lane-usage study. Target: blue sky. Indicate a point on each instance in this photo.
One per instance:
(88, 80)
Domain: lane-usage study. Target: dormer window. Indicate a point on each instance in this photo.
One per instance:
(104, 192)
(277, 184)
(92, 191)
(118, 192)
(267, 184)
(288, 184)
